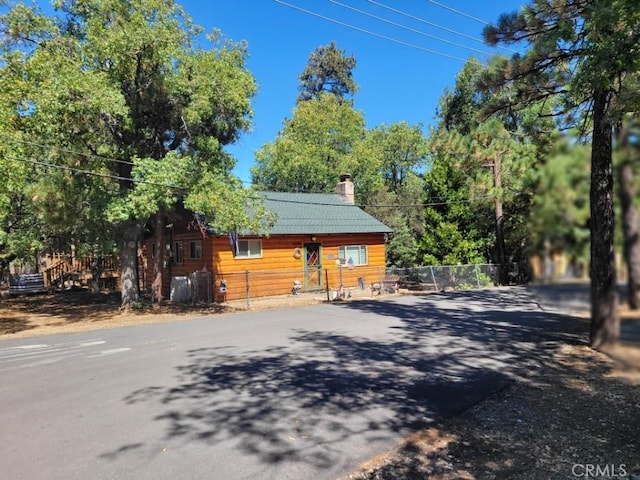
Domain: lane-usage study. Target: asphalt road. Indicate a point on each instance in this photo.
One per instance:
(280, 394)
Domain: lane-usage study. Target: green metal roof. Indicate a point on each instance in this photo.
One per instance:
(318, 213)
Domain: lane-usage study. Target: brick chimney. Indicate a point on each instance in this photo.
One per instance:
(344, 188)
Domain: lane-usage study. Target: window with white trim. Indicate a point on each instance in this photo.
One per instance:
(195, 249)
(353, 255)
(249, 248)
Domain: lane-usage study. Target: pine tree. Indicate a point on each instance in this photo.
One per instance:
(328, 70)
(580, 51)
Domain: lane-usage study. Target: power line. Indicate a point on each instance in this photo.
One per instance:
(368, 32)
(446, 7)
(87, 155)
(409, 28)
(178, 187)
(253, 197)
(96, 174)
(99, 157)
(363, 205)
(435, 25)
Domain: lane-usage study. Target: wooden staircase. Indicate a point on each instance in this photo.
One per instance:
(54, 274)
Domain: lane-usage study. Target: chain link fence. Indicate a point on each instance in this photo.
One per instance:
(334, 283)
(330, 283)
(450, 277)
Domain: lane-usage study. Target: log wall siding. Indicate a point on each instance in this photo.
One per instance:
(189, 265)
(276, 270)
(268, 283)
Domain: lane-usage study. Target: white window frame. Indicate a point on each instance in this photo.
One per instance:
(195, 249)
(343, 253)
(248, 251)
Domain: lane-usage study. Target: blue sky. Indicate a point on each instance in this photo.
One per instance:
(398, 82)
(402, 68)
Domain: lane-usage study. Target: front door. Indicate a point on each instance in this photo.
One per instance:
(312, 266)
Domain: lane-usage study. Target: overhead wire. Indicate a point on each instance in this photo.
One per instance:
(257, 196)
(90, 172)
(435, 25)
(133, 180)
(88, 155)
(72, 152)
(295, 7)
(108, 159)
(446, 7)
(126, 162)
(404, 27)
(374, 34)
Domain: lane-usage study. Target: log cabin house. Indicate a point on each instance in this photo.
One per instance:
(317, 240)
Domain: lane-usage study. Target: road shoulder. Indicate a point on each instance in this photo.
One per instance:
(578, 412)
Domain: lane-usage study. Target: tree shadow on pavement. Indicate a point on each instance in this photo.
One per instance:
(306, 402)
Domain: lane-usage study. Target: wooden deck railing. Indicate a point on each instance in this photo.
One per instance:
(60, 267)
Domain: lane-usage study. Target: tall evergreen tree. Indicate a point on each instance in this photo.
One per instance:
(493, 155)
(328, 70)
(581, 51)
(402, 249)
(561, 180)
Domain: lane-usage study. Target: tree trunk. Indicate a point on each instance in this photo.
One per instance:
(605, 322)
(158, 259)
(96, 272)
(501, 255)
(630, 228)
(548, 267)
(129, 264)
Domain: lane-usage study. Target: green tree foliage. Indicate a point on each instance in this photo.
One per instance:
(580, 51)
(402, 249)
(452, 235)
(458, 109)
(326, 136)
(478, 191)
(328, 70)
(560, 206)
(129, 109)
(461, 192)
(19, 223)
(387, 167)
(310, 151)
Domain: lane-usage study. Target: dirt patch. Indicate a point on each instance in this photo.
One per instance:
(79, 310)
(72, 311)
